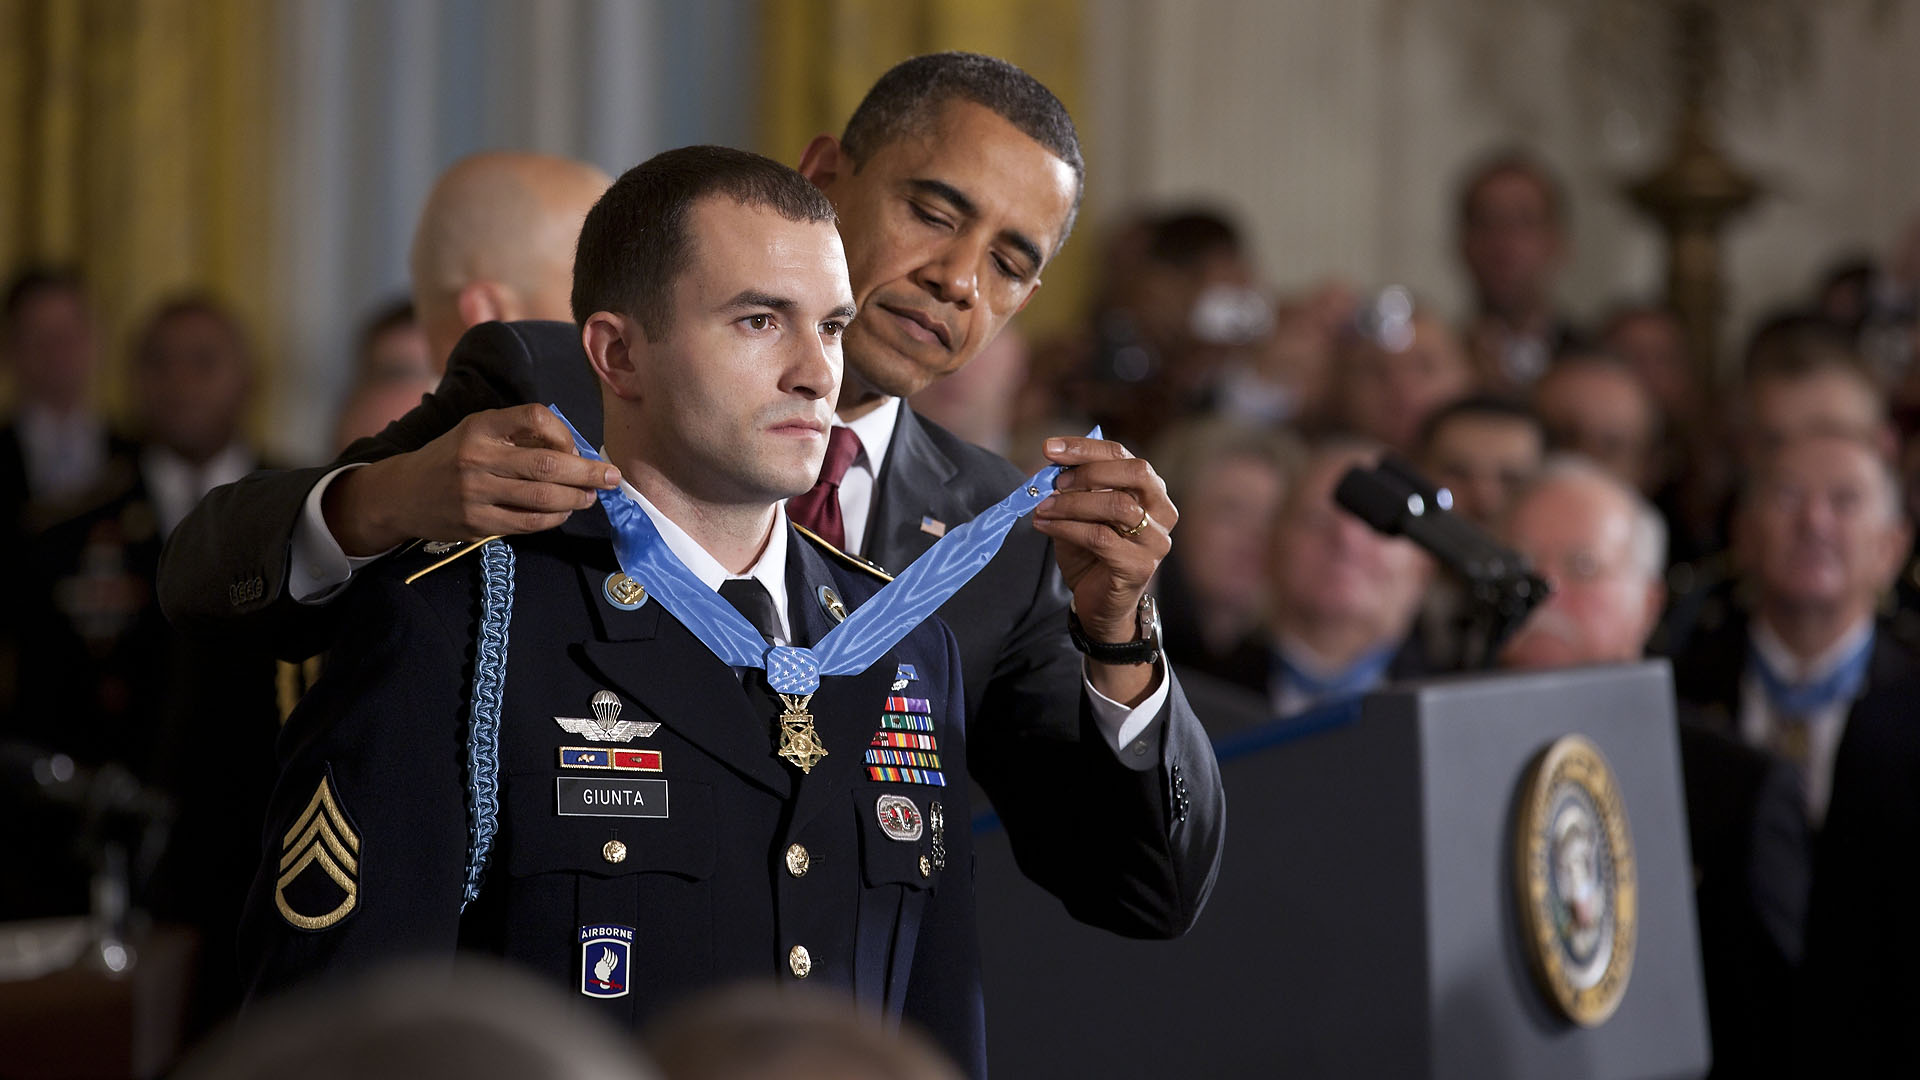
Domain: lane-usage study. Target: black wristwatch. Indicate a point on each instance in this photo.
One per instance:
(1143, 650)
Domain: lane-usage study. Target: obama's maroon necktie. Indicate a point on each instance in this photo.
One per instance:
(819, 509)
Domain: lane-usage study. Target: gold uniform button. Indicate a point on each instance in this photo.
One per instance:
(614, 852)
(799, 961)
(798, 861)
(926, 866)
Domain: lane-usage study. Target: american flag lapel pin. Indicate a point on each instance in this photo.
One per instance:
(933, 526)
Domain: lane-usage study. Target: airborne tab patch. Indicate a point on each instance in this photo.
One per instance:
(319, 882)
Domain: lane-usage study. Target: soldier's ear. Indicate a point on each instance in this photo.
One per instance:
(617, 350)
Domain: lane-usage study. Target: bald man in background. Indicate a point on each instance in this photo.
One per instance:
(494, 243)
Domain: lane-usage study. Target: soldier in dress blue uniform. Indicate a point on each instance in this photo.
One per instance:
(529, 755)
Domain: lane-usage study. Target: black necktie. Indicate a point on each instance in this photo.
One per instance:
(750, 599)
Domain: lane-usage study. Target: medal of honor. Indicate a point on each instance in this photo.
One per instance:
(799, 743)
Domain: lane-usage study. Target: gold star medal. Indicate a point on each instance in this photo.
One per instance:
(799, 743)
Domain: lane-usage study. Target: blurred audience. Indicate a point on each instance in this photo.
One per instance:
(1513, 242)
(393, 369)
(1395, 367)
(1482, 449)
(1803, 378)
(1343, 598)
(1600, 544)
(1288, 376)
(1597, 407)
(1228, 480)
(105, 680)
(1176, 308)
(981, 402)
(1649, 339)
(1810, 675)
(55, 446)
(471, 1020)
(758, 1033)
(194, 376)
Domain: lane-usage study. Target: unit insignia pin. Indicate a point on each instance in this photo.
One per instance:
(830, 603)
(439, 547)
(606, 960)
(606, 725)
(625, 593)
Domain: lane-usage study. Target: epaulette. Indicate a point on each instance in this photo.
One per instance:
(847, 557)
(446, 551)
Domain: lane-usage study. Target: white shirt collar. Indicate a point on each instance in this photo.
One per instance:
(770, 569)
(875, 431)
(1782, 660)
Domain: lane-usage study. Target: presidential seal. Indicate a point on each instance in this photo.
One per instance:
(1573, 862)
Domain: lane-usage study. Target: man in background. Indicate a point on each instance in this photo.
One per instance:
(1595, 406)
(1600, 544)
(1513, 240)
(1811, 674)
(1395, 370)
(1483, 450)
(1344, 597)
(495, 243)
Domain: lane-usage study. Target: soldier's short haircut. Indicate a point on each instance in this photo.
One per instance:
(635, 244)
(908, 98)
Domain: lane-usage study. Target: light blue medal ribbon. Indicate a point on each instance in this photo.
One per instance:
(848, 648)
(1794, 702)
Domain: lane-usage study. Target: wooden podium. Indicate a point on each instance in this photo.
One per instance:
(1373, 912)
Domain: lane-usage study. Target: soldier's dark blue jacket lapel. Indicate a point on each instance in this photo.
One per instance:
(672, 676)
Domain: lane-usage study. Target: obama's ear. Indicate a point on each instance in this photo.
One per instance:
(824, 161)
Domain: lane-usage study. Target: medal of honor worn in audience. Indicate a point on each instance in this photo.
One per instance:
(851, 646)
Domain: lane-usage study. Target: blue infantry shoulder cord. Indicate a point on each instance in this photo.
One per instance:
(483, 718)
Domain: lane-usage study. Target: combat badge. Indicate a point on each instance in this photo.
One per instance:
(899, 817)
(319, 882)
(606, 960)
(606, 725)
(1574, 867)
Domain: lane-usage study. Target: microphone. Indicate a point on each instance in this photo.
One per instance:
(1396, 500)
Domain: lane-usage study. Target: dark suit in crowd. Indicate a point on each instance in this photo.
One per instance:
(1747, 830)
(1128, 842)
(1855, 996)
(723, 861)
(102, 678)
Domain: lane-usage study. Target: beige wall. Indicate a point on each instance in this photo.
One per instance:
(1336, 130)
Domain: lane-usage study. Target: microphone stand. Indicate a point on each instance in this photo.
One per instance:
(1395, 500)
